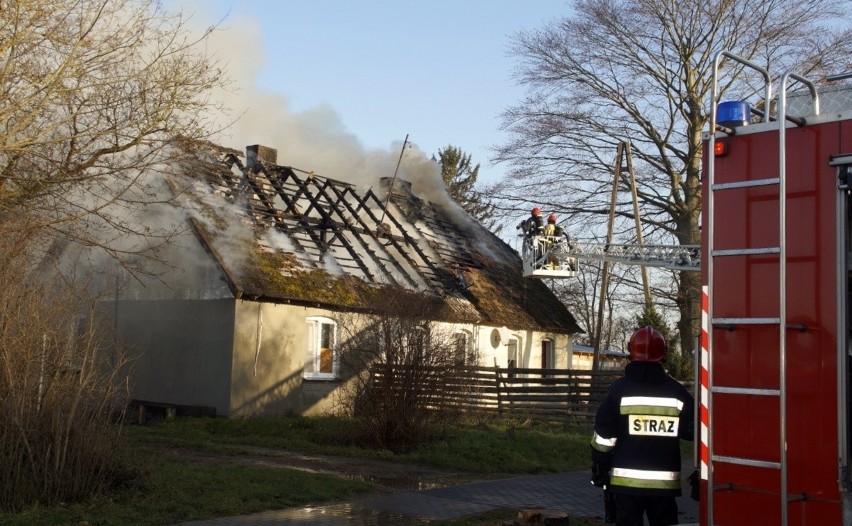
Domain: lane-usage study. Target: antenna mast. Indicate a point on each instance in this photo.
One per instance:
(393, 181)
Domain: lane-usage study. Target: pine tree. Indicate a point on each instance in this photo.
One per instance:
(460, 174)
(680, 367)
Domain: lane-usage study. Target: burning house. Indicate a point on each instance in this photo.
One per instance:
(241, 314)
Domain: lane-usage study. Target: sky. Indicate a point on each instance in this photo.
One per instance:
(359, 76)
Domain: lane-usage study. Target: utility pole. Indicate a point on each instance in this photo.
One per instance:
(605, 268)
(639, 239)
(623, 161)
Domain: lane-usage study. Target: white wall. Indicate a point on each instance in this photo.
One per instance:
(269, 351)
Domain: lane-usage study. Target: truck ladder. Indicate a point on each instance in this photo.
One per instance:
(674, 257)
(732, 322)
(558, 257)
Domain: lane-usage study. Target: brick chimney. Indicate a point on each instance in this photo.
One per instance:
(263, 154)
(401, 187)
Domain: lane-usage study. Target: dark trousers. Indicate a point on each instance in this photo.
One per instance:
(629, 509)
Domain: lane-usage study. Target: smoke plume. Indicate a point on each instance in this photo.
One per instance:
(314, 140)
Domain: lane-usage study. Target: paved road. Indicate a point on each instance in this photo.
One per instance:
(568, 492)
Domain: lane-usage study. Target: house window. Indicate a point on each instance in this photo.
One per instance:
(547, 358)
(417, 340)
(512, 355)
(461, 348)
(321, 360)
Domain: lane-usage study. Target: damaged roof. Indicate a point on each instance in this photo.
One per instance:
(327, 243)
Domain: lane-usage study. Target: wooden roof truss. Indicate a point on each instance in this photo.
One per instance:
(367, 237)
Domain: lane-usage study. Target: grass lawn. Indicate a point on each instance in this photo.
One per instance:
(171, 490)
(164, 488)
(528, 448)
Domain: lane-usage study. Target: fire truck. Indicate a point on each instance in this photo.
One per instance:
(775, 364)
(776, 256)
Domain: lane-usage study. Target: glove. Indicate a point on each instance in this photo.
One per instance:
(600, 474)
(601, 462)
(695, 484)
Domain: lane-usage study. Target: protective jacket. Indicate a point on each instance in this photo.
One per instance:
(637, 431)
(531, 226)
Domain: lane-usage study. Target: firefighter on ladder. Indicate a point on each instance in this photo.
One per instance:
(550, 237)
(636, 444)
(532, 225)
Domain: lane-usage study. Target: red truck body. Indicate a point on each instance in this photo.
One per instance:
(774, 369)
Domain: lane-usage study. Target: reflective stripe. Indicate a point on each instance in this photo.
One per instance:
(646, 474)
(650, 405)
(640, 478)
(602, 444)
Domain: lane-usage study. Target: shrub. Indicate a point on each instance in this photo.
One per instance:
(61, 388)
(396, 364)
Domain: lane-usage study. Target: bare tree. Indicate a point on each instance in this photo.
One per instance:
(641, 71)
(581, 294)
(397, 363)
(93, 94)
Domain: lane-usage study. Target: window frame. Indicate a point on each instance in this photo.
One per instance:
(462, 350)
(513, 364)
(313, 351)
(548, 355)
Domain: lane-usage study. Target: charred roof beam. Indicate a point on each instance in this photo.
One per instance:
(277, 181)
(370, 231)
(232, 182)
(269, 205)
(327, 224)
(409, 241)
(315, 229)
(334, 203)
(302, 190)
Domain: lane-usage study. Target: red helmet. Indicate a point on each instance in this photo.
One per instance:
(551, 218)
(536, 211)
(647, 345)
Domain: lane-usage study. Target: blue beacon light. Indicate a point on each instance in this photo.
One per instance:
(731, 114)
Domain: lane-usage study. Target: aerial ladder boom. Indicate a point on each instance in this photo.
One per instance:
(552, 256)
(558, 256)
(674, 257)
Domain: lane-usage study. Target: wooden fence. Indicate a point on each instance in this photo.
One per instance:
(541, 394)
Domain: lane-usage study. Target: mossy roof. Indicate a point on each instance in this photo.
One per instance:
(310, 240)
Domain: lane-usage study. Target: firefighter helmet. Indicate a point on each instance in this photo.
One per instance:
(536, 211)
(551, 218)
(647, 345)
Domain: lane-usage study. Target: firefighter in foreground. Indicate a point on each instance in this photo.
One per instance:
(638, 428)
